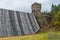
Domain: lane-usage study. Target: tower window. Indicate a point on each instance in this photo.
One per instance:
(38, 10)
(33, 10)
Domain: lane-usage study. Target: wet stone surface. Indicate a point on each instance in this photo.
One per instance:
(14, 23)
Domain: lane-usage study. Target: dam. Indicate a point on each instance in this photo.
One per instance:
(15, 23)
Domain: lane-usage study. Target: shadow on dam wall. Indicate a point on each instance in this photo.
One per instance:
(14, 23)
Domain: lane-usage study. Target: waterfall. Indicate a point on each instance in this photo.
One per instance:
(14, 23)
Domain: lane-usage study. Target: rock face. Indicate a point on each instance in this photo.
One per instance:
(14, 23)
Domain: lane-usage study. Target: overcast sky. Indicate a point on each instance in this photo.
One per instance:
(25, 5)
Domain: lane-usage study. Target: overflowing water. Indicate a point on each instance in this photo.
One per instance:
(14, 23)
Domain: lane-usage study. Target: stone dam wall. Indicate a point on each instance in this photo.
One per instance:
(14, 23)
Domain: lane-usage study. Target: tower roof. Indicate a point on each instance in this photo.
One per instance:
(36, 4)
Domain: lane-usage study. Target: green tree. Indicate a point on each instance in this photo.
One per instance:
(57, 21)
(55, 14)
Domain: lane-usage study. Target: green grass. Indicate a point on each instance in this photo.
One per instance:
(54, 36)
(40, 36)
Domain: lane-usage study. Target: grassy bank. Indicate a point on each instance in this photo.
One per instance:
(40, 36)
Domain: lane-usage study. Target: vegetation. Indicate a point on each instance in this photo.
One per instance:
(55, 12)
(57, 22)
(42, 36)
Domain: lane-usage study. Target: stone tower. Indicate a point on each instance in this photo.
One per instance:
(36, 9)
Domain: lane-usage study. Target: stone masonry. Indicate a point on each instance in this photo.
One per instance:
(14, 23)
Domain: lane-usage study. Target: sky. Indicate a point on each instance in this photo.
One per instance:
(25, 5)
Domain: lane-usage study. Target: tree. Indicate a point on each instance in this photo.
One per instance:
(57, 21)
(55, 14)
